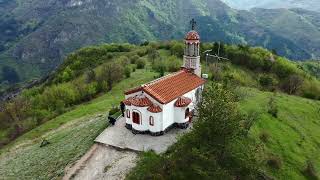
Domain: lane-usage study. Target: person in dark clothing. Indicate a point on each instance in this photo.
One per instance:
(122, 107)
(112, 120)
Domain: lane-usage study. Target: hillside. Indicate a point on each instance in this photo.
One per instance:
(69, 111)
(35, 36)
(291, 140)
(70, 135)
(312, 5)
(311, 67)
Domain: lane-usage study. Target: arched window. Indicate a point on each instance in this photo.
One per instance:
(136, 117)
(151, 121)
(128, 113)
(187, 113)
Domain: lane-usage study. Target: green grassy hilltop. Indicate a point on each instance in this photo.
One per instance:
(277, 99)
(293, 137)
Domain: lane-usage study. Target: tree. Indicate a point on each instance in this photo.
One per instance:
(127, 71)
(267, 82)
(10, 74)
(292, 84)
(218, 116)
(17, 109)
(244, 47)
(216, 71)
(90, 76)
(153, 54)
(159, 67)
(177, 49)
(140, 63)
(173, 64)
(110, 73)
(219, 128)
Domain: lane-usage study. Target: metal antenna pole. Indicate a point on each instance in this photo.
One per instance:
(207, 55)
(219, 49)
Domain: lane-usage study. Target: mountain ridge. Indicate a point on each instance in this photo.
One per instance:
(312, 5)
(44, 32)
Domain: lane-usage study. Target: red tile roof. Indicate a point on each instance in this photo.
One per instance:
(154, 109)
(141, 102)
(170, 87)
(134, 90)
(192, 35)
(128, 101)
(182, 102)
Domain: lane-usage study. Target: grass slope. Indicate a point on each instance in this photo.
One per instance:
(294, 136)
(70, 134)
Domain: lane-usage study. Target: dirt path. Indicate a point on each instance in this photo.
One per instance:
(102, 162)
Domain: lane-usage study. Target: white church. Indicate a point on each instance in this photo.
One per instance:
(169, 101)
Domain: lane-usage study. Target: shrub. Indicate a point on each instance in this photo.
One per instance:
(292, 84)
(159, 67)
(133, 59)
(134, 68)
(216, 71)
(310, 171)
(109, 74)
(264, 136)
(177, 49)
(173, 64)
(142, 52)
(153, 54)
(90, 76)
(124, 60)
(140, 63)
(127, 71)
(267, 82)
(272, 107)
(274, 162)
(113, 111)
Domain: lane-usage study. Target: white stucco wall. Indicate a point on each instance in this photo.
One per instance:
(169, 115)
(145, 115)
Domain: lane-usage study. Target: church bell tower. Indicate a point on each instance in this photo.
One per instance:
(191, 58)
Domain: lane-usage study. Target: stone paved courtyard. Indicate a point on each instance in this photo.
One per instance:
(120, 137)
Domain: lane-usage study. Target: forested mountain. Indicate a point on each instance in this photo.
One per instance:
(35, 35)
(313, 5)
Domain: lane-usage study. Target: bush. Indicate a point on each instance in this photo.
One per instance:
(127, 71)
(274, 162)
(177, 49)
(267, 82)
(124, 60)
(140, 63)
(310, 171)
(159, 67)
(272, 107)
(264, 136)
(114, 111)
(173, 64)
(292, 84)
(133, 59)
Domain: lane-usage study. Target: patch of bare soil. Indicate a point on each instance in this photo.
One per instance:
(102, 162)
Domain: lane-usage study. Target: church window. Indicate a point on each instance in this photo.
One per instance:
(187, 113)
(136, 118)
(151, 121)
